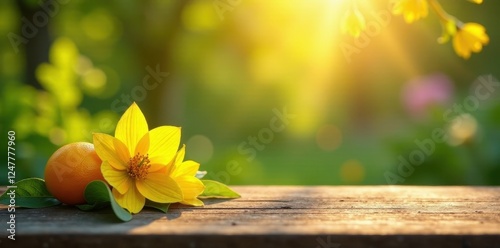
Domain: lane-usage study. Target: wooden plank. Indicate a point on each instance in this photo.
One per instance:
(284, 216)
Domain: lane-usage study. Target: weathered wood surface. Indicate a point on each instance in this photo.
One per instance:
(282, 216)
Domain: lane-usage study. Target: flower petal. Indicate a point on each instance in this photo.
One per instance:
(105, 147)
(143, 145)
(133, 201)
(121, 151)
(470, 38)
(460, 48)
(180, 155)
(164, 142)
(156, 167)
(191, 187)
(412, 10)
(119, 179)
(193, 202)
(159, 187)
(186, 168)
(131, 127)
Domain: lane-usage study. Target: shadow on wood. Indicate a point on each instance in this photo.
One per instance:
(284, 216)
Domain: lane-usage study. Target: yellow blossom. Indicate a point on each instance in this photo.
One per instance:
(469, 37)
(353, 22)
(184, 173)
(412, 10)
(449, 30)
(134, 161)
(476, 1)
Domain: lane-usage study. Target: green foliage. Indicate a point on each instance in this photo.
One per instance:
(98, 195)
(30, 193)
(159, 206)
(214, 189)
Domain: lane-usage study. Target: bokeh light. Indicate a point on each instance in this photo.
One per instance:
(352, 172)
(329, 137)
(462, 129)
(199, 148)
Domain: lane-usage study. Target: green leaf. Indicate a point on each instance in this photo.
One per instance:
(98, 195)
(30, 193)
(214, 189)
(160, 206)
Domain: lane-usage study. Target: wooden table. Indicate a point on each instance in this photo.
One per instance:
(282, 216)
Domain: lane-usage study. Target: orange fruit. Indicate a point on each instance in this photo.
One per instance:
(70, 169)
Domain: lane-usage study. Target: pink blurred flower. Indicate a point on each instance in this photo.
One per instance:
(420, 94)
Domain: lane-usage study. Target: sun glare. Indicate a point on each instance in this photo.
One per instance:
(296, 50)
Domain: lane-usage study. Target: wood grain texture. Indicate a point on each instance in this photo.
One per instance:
(282, 216)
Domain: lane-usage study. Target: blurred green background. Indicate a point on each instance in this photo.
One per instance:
(265, 91)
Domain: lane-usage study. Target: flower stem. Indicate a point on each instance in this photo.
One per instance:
(443, 16)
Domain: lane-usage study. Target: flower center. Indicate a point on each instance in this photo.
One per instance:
(138, 166)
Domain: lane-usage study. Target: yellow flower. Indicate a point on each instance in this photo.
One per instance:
(469, 37)
(353, 22)
(476, 1)
(134, 161)
(449, 29)
(184, 173)
(412, 10)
